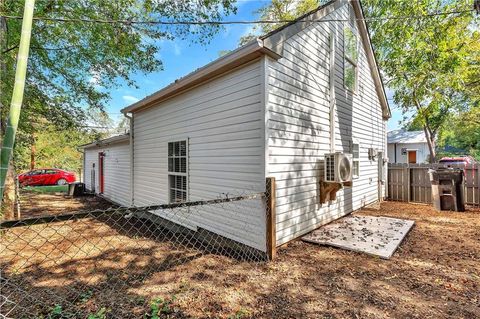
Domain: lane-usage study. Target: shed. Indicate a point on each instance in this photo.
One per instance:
(407, 147)
(272, 108)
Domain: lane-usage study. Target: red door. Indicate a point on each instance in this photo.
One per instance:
(101, 167)
(412, 157)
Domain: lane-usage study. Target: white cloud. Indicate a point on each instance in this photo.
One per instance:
(130, 99)
(177, 49)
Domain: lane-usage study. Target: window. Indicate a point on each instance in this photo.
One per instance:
(350, 72)
(355, 148)
(177, 171)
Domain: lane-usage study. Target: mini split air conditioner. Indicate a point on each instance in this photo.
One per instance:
(338, 167)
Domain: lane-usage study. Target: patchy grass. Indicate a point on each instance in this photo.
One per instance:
(46, 189)
(103, 268)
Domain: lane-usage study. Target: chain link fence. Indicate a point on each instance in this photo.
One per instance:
(112, 263)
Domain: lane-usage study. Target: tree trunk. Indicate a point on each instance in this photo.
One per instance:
(426, 129)
(431, 144)
(9, 195)
(32, 153)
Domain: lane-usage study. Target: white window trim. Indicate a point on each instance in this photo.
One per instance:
(186, 174)
(348, 60)
(355, 160)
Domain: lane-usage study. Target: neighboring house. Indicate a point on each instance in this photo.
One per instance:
(106, 168)
(407, 147)
(272, 108)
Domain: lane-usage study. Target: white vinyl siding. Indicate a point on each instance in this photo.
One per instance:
(116, 171)
(223, 122)
(298, 128)
(89, 172)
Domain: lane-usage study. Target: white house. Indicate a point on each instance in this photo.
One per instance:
(407, 147)
(272, 108)
(106, 168)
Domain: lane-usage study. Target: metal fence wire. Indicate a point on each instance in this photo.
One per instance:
(112, 263)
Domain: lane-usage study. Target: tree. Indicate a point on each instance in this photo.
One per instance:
(431, 63)
(280, 10)
(463, 132)
(55, 148)
(72, 63)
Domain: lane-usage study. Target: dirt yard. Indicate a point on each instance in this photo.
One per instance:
(107, 269)
(35, 204)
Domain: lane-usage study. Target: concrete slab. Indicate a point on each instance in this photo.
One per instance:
(377, 236)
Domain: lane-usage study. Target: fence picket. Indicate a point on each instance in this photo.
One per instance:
(411, 182)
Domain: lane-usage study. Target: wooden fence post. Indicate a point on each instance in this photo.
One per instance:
(478, 184)
(271, 219)
(406, 184)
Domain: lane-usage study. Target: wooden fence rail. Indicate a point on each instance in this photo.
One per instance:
(411, 182)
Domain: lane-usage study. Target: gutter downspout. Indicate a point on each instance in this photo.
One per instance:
(332, 92)
(84, 170)
(395, 151)
(130, 120)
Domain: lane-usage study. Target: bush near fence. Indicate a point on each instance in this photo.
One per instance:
(411, 182)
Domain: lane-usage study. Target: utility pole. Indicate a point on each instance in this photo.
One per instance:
(3, 47)
(17, 95)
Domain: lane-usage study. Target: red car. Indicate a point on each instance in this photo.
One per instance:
(460, 160)
(46, 176)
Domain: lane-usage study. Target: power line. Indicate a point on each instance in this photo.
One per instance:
(187, 22)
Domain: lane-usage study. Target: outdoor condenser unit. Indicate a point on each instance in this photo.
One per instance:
(338, 167)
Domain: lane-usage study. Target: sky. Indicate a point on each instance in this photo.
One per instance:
(182, 57)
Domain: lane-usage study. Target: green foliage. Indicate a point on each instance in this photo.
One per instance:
(58, 312)
(57, 148)
(85, 296)
(159, 307)
(239, 314)
(100, 314)
(463, 132)
(432, 64)
(279, 10)
(73, 63)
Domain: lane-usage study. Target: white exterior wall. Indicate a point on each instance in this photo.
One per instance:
(116, 171)
(91, 157)
(298, 129)
(421, 148)
(223, 121)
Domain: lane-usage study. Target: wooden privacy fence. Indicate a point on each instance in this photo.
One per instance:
(411, 182)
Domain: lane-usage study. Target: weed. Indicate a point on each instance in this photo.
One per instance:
(85, 296)
(159, 307)
(101, 314)
(58, 312)
(140, 301)
(239, 314)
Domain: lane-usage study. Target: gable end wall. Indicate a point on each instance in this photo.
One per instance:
(298, 128)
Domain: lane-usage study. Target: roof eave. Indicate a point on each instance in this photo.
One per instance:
(242, 55)
(107, 141)
(372, 60)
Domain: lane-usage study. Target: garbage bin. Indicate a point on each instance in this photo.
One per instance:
(447, 189)
(76, 189)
